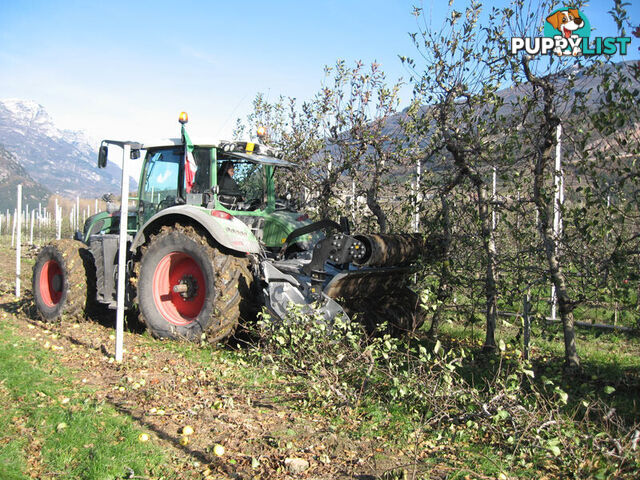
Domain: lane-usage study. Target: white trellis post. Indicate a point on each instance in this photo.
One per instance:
(493, 199)
(96, 211)
(526, 323)
(57, 219)
(18, 240)
(33, 221)
(58, 223)
(13, 230)
(122, 253)
(353, 201)
(558, 200)
(418, 195)
(77, 225)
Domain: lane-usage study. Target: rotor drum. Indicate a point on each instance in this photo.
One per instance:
(383, 250)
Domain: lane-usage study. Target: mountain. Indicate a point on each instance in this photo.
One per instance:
(578, 85)
(63, 160)
(12, 174)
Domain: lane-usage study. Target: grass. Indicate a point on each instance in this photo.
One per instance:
(608, 360)
(52, 428)
(101, 442)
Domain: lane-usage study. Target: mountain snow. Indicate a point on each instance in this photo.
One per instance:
(63, 160)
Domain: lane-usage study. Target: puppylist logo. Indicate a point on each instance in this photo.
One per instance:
(567, 32)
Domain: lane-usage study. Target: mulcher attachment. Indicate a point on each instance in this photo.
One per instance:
(363, 275)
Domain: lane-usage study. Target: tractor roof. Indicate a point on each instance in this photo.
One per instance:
(260, 159)
(248, 151)
(175, 142)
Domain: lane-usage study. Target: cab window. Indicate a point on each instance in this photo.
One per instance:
(202, 181)
(160, 180)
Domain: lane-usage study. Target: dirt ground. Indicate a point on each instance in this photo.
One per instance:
(161, 389)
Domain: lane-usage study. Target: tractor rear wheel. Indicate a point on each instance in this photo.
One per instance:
(188, 289)
(63, 280)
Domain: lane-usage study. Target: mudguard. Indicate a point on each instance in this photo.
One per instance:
(230, 233)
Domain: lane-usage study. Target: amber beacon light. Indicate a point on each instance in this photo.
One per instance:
(183, 118)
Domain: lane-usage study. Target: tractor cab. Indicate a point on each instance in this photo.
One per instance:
(233, 179)
(257, 205)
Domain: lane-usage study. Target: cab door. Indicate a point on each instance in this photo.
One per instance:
(160, 181)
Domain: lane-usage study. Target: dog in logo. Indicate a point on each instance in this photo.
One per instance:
(566, 21)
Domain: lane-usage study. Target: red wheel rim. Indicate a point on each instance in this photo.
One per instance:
(172, 270)
(51, 282)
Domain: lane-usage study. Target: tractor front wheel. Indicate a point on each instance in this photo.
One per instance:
(188, 289)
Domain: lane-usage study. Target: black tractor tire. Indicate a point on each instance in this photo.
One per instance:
(63, 281)
(218, 283)
(401, 311)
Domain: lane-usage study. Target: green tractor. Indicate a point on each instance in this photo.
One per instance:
(201, 257)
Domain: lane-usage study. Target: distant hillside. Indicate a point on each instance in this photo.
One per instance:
(12, 174)
(584, 87)
(63, 160)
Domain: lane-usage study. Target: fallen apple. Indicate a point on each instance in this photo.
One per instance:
(218, 450)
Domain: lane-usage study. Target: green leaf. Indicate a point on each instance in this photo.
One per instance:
(501, 345)
(437, 347)
(555, 450)
(609, 389)
(502, 415)
(564, 396)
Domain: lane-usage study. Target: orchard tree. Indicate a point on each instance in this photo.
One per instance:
(341, 140)
(557, 94)
(456, 119)
(355, 107)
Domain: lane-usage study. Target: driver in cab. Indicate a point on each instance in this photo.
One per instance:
(229, 190)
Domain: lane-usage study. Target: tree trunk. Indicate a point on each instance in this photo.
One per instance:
(374, 206)
(571, 358)
(325, 196)
(444, 287)
(489, 244)
(543, 202)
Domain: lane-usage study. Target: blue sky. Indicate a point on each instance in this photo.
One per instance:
(125, 69)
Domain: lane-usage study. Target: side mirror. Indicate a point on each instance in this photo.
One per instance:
(102, 156)
(135, 154)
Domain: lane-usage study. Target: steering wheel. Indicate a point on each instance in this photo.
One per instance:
(166, 202)
(254, 204)
(284, 204)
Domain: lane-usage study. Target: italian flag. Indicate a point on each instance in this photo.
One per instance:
(190, 167)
